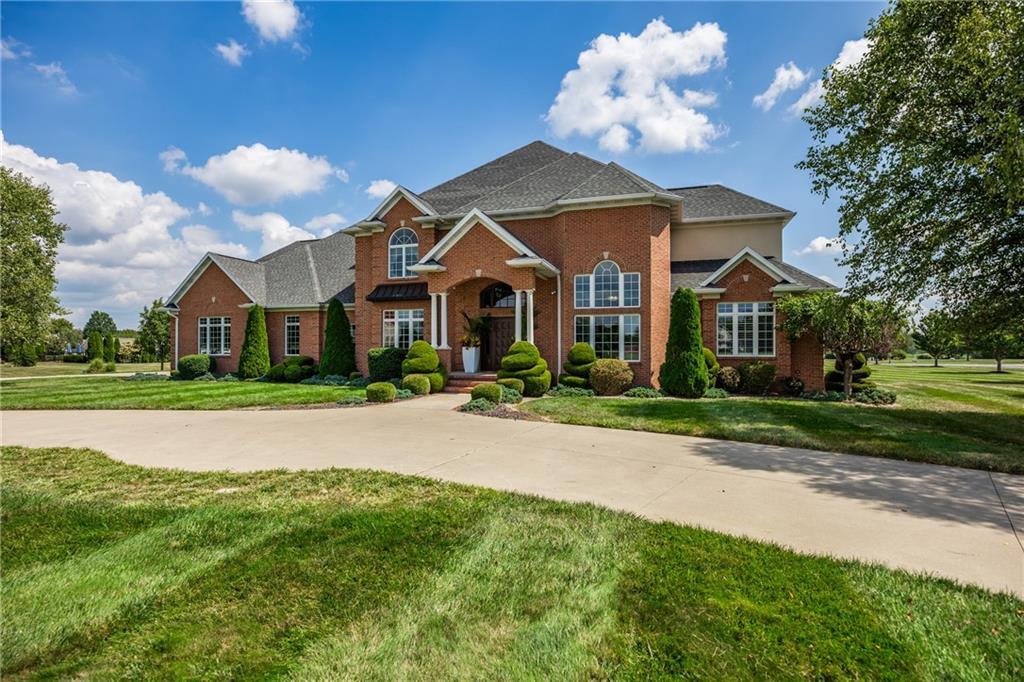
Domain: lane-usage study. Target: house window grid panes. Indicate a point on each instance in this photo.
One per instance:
(214, 335)
(607, 287)
(291, 335)
(746, 329)
(402, 327)
(611, 336)
(403, 251)
(582, 291)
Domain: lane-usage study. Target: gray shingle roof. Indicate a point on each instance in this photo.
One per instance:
(689, 274)
(718, 201)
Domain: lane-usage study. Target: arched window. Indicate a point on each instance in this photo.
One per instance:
(403, 251)
(607, 287)
(497, 295)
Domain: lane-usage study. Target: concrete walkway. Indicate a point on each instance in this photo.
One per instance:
(950, 522)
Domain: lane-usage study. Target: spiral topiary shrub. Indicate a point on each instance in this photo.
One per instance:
(488, 391)
(523, 361)
(860, 374)
(192, 366)
(517, 384)
(610, 377)
(577, 368)
(419, 384)
(381, 392)
(422, 360)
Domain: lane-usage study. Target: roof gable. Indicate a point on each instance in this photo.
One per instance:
(746, 254)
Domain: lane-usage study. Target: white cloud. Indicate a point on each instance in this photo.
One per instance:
(11, 48)
(622, 87)
(203, 209)
(56, 74)
(275, 229)
(257, 174)
(821, 245)
(787, 77)
(324, 225)
(122, 247)
(379, 189)
(233, 52)
(274, 20)
(851, 54)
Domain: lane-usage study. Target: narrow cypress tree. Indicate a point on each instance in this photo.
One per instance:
(255, 358)
(108, 348)
(117, 348)
(95, 349)
(339, 356)
(684, 372)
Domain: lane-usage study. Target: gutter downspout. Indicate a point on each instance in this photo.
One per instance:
(559, 334)
(177, 342)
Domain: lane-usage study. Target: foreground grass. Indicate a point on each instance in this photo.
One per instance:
(961, 416)
(113, 571)
(48, 369)
(117, 393)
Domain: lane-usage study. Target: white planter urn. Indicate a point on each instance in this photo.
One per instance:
(471, 359)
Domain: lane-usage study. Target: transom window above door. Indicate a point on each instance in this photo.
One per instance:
(403, 251)
(498, 295)
(607, 287)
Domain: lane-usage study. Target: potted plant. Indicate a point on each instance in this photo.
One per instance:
(472, 332)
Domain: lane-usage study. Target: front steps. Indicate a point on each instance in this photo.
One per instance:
(460, 382)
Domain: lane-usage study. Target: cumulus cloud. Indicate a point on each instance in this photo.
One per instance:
(274, 228)
(851, 54)
(622, 88)
(57, 76)
(123, 247)
(257, 174)
(324, 225)
(379, 189)
(203, 209)
(821, 245)
(11, 48)
(233, 53)
(787, 77)
(274, 20)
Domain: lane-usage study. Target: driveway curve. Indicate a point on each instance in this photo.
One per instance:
(950, 522)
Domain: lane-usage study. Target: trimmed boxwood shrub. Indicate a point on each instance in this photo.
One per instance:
(756, 377)
(293, 370)
(254, 360)
(716, 393)
(75, 358)
(421, 359)
(523, 361)
(642, 392)
(487, 391)
(517, 384)
(510, 395)
(478, 405)
(577, 368)
(381, 392)
(438, 379)
(191, 366)
(611, 377)
(385, 363)
(339, 356)
(684, 372)
(875, 396)
(729, 379)
(570, 392)
(419, 384)
(536, 386)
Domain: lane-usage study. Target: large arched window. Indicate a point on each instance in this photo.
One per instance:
(498, 295)
(607, 287)
(403, 251)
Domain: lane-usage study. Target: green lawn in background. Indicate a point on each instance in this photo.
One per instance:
(114, 571)
(965, 416)
(46, 369)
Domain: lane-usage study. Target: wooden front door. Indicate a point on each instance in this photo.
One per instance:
(496, 342)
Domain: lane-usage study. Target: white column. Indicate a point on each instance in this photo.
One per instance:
(444, 320)
(519, 313)
(529, 315)
(433, 320)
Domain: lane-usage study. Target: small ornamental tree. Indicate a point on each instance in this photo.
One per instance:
(844, 325)
(255, 357)
(339, 356)
(108, 348)
(95, 349)
(936, 334)
(684, 372)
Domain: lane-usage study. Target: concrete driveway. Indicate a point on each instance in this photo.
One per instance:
(949, 522)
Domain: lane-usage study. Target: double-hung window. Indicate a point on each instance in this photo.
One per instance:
(607, 287)
(402, 327)
(291, 335)
(215, 335)
(403, 251)
(746, 329)
(611, 336)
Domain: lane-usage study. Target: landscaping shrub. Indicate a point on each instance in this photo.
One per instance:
(352, 400)
(109, 354)
(384, 363)
(339, 354)
(875, 396)
(75, 358)
(110, 367)
(684, 372)
(95, 347)
(254, 360)
(355, 375)
(147, 376)
(403, 394)
(642, 392)
(360, 382)
(96, 366)
(293, 370)
(510, 395)
(859, 361)
(421, 359)
(861, 371)
(517, 384)
(438, 379)
(577, 368)
(825, 396)
(478, 405)
(205, 376)
(419, 384)
(381, 392)
(229, 378)
(611, 377)
(899, 355)
(523, 361)
(793, 386)
(756, 377)
(191, 366)
(711, 362)
(397, 383)
(729, 379)
(570, 392)
(716, 393)
(487, 391)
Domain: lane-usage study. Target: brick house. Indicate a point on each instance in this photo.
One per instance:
(555, 247)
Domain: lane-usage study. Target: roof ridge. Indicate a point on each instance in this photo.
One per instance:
(604, 167)
(224, 255)
(639, 179)
(479, 199)
(495, 160)
(267, 256)
(313, 273)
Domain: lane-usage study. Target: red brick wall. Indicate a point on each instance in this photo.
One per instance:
(213, 294)
(311, 333)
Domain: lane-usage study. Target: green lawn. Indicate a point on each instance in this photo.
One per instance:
(113, 571)
(117, 393)
(959, 415)
(46, 369)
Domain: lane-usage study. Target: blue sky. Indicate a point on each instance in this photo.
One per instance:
(149, 134)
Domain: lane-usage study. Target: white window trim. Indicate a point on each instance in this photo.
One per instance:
(731, 353)
(298, 321)
(384, 321)
(622, 289)
(222, 325)
(402, 248)
(622, 336)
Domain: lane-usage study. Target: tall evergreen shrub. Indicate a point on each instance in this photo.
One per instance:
(684, 372)
(255, 358)
(95, 345)
(108, 349)
(339, 356)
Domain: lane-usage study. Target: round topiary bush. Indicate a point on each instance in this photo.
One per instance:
(421, 359)
(610, 377)
(417, 383)
(517, 384)
(574, 381)
(381, 392)
(522, 355)
(488, 391)
(729, 379)
(192, 366)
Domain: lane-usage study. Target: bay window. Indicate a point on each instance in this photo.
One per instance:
(746, 329)
(607, 287)
(402, 327)
(215, 335)
(611, 336)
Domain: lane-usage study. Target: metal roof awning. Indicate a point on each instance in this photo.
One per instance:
(399, 292)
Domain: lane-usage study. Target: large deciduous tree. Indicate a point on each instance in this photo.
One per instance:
(29, 236)
(154, 332)
(936, 334)
(100, 322)
(922, 141)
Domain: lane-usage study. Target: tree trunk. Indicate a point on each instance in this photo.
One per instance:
(848, 376)
(999, 365)
(161, 364)
(935, 359)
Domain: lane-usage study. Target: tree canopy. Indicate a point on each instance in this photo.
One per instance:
(923, 143)
(936, 334)
(100, 322)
